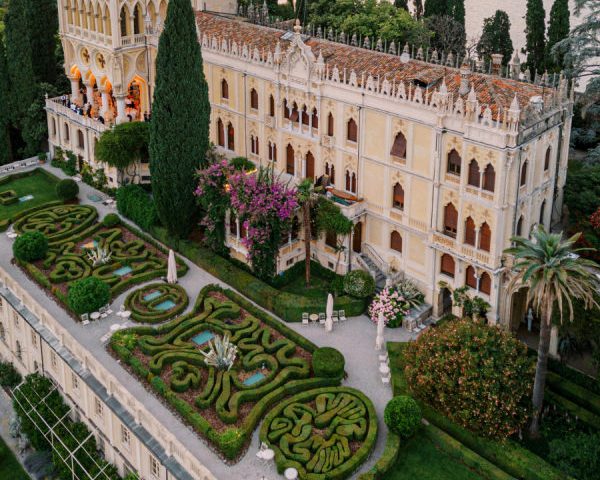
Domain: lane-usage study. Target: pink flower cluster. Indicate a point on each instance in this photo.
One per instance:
(213, 176)
(391, 303)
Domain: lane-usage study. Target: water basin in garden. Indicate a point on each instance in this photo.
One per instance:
(152, 295)
(164, 306)
(203, 337)
(26, 198)
(257, 377)
(122, 271)
(90, 245)
(94, 198)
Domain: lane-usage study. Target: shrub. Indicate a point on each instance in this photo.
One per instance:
(402, 415)
(67, 189)
(134, 203)
(577, 455)
(111, 220)
(9, 377)
(242, 163)
(477, 375)
(30, 246)
(88, 295)
(328, 362)
(359, 284)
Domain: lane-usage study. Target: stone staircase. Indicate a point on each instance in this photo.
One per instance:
(375, 271)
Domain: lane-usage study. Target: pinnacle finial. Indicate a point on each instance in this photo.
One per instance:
(515, 104)
(298, 27)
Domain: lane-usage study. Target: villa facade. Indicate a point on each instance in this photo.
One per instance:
(437, 166)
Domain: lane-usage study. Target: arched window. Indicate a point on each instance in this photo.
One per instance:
(289, 157)
(310, 166)
(542, 212)
(519, 226)
(450, 220)
(230, 137)
(485, 283)
(348, 181)
(272, 152)
(547, 158)
(523, 174)
(489, 178)
(447, 265)
(124, 20)
(398, 197)
(352, 131)
(330, 124)
(470, 278)
(485, 237)
(19, 351)
(295, 116)
(271, 106)
(254, 99)
(286, 109)
(470, 234)
(138, 20)
(331, 239)
(399, 146)
(305, 116)
(66, 129)
(330, 172)
(54, 127)
(454, 162)
(315, 118)
(474, 177)
(2, 332)
(254, 144)
(220, 133)
(224, 89)
(396, 241)
(80, 139)
(233, 225)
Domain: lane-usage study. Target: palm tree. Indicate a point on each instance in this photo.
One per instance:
(554, 275)
(307, 198)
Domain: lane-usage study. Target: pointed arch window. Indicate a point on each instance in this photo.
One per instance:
(124, 22)
(474, 174)
(485, 237)
(489, 178)
(254, 99)
(547, 159)
(330, 125)
(271, 106)
(519, 230)
(352, 130)
(330, 172)
(254, 144)
(230, 137)
(19, 351)
(305, 116)
(224, 89)
(286, 110)
(398, 197)
(485, 283)
(447, 265)
(289, 157)
(454, 163)
(295, 115)
(272, 152)
(470, 235)
(471, 278)
(450, 220)
(399, 146)
(396, 241)
(220, 133)
(542, 212)
(523, 180)
(315, 118)
(138, 20)
(310, 166)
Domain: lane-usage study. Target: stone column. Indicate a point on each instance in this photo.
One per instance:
(89, 91)
(105, 101)
(75, 95)
(121, 117)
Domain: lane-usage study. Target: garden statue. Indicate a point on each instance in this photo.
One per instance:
(221, 353)
(99, 256)
(529, 319)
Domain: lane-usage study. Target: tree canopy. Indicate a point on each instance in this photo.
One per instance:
(452, 8)
(558, 30)
(496, 38)
(535, 31)
(42, 23)
(123, 145)
(448, 34)
(5, 147)
(180, 119)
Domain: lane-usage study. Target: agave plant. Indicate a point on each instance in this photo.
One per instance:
(410, 292)
(221, 353)
(99, 256)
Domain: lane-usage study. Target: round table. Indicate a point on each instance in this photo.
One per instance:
(383, 368)
(313, 317)
(126, 314)
(268, 454)
(291, 473)
(95, 315)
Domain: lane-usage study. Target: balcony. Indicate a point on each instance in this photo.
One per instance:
(133, 40)
(95, 38)
(350, 204)
(55, 106)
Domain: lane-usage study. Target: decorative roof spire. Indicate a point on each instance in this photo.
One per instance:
(298, 27)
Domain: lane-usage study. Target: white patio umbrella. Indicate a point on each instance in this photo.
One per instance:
(329, 313)
(171, 268)
(379, 341)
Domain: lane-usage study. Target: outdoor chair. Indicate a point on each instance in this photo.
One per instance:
(305, 319)
(342, 314)
(385, 380)
(85, 317)
(335, 317)
(384, 358)
(322, 318)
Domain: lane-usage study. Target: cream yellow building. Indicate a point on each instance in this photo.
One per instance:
(437, 166)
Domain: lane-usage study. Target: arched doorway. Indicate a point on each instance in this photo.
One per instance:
(445, 301)
(310, 166)
(357, 238)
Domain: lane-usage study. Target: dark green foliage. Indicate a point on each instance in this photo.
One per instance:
(401, 4)
(328, 362)
(449, 35)
(477, 375)
(88, 295)
(5, 147)
(242, 163)
(402, 415)
(386, 461)
(35, 125)
(436, 7)
(330, 218)
(359, 284)
(535, 30)
(9, 376)
(111, 220)
(558, 30)
(496, 38)
(144, 311)
(67, 189)
(180, 119)
(42, 24)
(124, 146)
(452, 8)
(30, 246)
(577, 455)
(134, 203)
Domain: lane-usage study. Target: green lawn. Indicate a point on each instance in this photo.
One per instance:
(319, 287)
(9, 465)
(39, 184)
(421, 458)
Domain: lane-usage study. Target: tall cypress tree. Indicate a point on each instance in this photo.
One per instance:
(42, 23)
(557, 30)
(18, 61)
(535, 30)
(180, 119)
(5, 150)
(436, 7)
(418, 4)
(457, 10)
(401, 4)
(496, 38)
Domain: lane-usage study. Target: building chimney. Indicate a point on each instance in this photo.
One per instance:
(497, 63)
(465, 74)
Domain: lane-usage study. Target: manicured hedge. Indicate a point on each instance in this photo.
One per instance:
(328, 362)
(134, 203)
(507, 455)
(574, 392)
(30, 246)
(67, 189)
(574, 409)
(142, 311)
(7, 221)
(111, 220)
(402, 415)
(386, 461)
